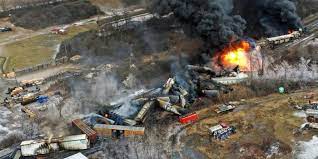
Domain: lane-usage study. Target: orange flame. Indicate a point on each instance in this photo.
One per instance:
(236, 55)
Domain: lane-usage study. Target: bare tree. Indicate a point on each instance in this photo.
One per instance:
(4, 5)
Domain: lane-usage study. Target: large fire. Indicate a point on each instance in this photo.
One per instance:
(236, 55)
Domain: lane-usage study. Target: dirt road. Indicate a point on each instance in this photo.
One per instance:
(47, 72)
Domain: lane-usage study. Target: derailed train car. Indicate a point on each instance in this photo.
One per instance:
(273, 41)
(41, 147)
(91, 134)
(118, 130)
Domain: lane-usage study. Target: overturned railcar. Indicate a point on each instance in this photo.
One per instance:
(91, 134)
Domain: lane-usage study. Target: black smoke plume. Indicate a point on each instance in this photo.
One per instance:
(278, 16)
(214, 20)
(209, 19)
(268, 17)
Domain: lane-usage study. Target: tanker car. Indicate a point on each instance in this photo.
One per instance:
(277, 40)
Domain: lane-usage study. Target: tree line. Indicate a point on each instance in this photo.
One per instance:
(6, 5)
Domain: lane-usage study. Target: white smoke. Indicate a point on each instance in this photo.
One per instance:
(105, 87)
(9, 122)
(127, 108)
(307, 150)
(284, 71)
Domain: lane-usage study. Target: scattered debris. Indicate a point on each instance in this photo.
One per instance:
(310, 105)
(224, 108)
(60, 31)
(76, 58)
(222, 131)
(5, 29)
(309, 95)
(9, 75)
(42, 99)
(312, 120)
(31, 113)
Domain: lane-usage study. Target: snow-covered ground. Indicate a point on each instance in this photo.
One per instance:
(308, 149)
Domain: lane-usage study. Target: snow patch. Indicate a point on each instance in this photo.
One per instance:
(308, 150)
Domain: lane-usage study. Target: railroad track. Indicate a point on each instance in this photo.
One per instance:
(310, 33)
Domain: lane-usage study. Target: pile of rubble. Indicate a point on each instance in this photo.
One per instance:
(311, 111)
(27, 92)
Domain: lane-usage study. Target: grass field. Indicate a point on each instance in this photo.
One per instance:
(259, 122)
(38, 49)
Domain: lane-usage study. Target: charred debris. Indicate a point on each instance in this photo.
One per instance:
(215, 23)
(176, 96)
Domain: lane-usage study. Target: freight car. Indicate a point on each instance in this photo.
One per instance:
(274, 41)
(189, 118)
(42, 146)
(29, 98)
(142, 113)
(118, 130)
(92, 135)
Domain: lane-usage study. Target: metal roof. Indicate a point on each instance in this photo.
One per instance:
(215, 128)
(75, 137)
(77, 156)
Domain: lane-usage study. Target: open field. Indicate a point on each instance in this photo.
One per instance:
(260, 122)
(38, 49)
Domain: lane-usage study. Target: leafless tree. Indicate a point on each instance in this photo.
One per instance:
(4, 5)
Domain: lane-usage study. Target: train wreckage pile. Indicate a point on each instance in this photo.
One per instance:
(175, 96)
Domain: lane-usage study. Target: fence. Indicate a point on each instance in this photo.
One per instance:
(57, 62)
(58, 76)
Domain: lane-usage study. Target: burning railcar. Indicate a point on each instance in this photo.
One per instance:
(241, 56)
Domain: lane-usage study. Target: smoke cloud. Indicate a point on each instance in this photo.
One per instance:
(216, 23)
(268, 17)
(211, 20)
(277, 17)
